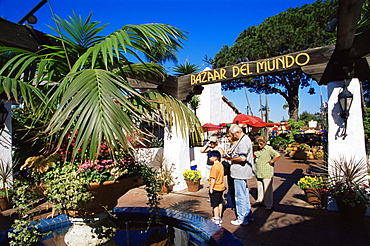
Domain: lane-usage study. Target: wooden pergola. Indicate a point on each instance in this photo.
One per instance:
(349, 58)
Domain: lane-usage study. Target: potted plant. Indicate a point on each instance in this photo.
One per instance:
(5, 198)
(6, 184)
(83, 95)
(192, 178)
(319, 155)
(82, 188)
(281, 141)
(313, 187)
(349, 185)
(165, 178)
(304, 147)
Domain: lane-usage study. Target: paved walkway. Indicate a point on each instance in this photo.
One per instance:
(291, 222)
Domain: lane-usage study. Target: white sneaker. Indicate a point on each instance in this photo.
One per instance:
(238, 222)
(217, 221)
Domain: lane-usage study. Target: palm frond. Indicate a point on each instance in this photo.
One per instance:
(175, 114)
(16, 90)
(187, 68)
(129, 40)
(94, 107)
(78, 33)
(142, 71)
(35, 68)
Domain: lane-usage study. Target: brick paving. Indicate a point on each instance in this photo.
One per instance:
(292, 221)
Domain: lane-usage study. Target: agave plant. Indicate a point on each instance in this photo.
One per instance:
(6, 177)
(348, 180)
(81, 86)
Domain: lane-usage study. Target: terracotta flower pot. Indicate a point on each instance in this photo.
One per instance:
(313, 196)
(106, 195)
(193, 185)
(4, 203)
(165, 189)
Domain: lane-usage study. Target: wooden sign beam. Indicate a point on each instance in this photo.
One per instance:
(312, 60)
(24, 37)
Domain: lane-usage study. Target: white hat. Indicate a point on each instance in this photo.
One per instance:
(213, 139)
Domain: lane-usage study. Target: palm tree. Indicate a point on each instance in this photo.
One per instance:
(162, 54)
(81, 86)
(194, 103)
(187, 68)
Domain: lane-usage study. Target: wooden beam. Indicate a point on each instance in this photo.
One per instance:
(341, 64)
(24, 37)
(312, 60)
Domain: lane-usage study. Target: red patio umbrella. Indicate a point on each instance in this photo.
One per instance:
(272, 124)
(247, 119)
(210, 127)
(257, 124)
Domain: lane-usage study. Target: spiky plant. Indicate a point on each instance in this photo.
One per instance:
(81, 86)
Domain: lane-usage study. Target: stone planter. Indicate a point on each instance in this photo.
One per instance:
(91, 230)
(349, 214)
(91, 225)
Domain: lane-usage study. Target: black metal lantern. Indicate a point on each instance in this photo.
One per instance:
(3, 115)
(345, 98)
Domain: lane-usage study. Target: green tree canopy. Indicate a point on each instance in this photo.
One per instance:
(293, 30)
(306, 117)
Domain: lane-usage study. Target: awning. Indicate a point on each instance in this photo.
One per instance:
(210, 127)
(249, 120)
(272, 124)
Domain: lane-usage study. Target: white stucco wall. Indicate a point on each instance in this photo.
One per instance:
(210, 104)
(6, 138)
(176, 149)
(212, 108)
(228, 114)
(353, 146)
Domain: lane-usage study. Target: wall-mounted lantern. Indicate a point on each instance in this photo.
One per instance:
(3, 115)
(345, 98)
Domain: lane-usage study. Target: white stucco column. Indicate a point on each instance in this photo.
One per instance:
(353, 145)
(210, 101)
(6, 138)
(176, 150)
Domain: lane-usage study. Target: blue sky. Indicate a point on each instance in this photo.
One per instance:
(210, 25)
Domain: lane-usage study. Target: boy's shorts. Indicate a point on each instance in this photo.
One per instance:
(216, 198)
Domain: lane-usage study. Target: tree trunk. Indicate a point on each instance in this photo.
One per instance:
(293, 108)
(293, 91)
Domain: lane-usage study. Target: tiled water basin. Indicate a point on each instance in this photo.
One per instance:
(178, 228)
